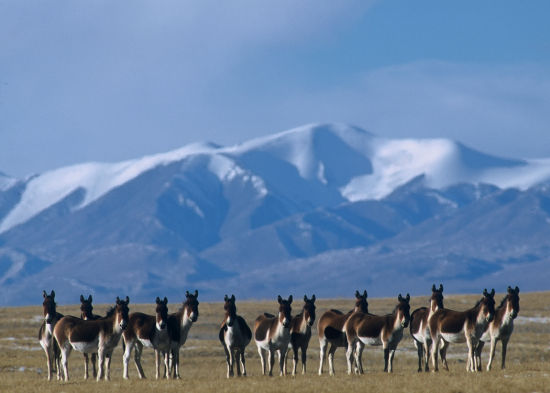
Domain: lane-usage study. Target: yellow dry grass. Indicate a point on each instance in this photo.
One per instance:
(23, 365)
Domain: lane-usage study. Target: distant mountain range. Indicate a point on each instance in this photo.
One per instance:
(324, 209)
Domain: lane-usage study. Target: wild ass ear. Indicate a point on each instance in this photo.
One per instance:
(279, 299)
(187, 294)
(232, 297)
(433, 288)
(157, 300)
(400, 298)
(127, 300)
(313, 299)
(290, 299)
(408, 297)
(52, 293)
(225, 298)
(305, 298)
(90, 298)
(440, 287)
(365, 293)
(82, 298)
(44, 294)
(196, 293)
(165, 300)
(485, 293)
(517, 290)
(492, 292)
(357, 294)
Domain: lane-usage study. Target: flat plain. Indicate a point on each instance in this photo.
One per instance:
(203, 369)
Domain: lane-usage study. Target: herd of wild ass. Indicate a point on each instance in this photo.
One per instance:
(433, 328)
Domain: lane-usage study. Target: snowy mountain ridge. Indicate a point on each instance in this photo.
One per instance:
(394, 163)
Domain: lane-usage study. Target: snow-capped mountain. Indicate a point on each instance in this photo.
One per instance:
(305, 201)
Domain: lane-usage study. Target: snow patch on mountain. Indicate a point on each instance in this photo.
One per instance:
(97, 179)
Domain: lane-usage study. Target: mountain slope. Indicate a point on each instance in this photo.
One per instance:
(332, 201)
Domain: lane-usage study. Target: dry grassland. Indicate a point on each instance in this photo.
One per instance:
(23, 362)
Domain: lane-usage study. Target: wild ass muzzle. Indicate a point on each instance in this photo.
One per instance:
(147, 331)
(331, 330)
(45, 334)
(234, 335)
(386, 330)
(500, 328)
(179, 324)
(449, 326)
(101, 336)
(300, 333)
(272, 333)
(420, 329)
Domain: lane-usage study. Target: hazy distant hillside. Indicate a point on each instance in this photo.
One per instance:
(317, 208)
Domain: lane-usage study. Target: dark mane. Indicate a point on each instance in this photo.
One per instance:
(110, 312)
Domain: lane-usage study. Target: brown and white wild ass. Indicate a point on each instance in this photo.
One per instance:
(179, 324)
(86, 313)
(234, 335)
(45, 334)
(147, 331)
(101, 336)
(449, 326)
(300, 332)
(500, 328)
(386, 330)
(331, 330)
(420, 329)
(272, 333)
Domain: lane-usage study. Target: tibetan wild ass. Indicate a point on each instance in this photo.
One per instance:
(45, 334)
(234, 335)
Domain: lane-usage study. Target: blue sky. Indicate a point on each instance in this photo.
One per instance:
(112, 80)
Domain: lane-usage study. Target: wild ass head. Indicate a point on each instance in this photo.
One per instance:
(402, 310)
(511, 301)
(486, 306)
(86, 307)
(191, 305)
(436, 301)
(161, 313)
(309, 310)
(121, 311)
(361, 303)
(285, 310)
(230, 310)
(48, 306)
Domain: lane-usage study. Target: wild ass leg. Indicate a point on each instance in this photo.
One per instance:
(331, 358)
(420, 352)
(157, 364)
(126, 358)
(261, 352)
(390, 360)
(93, 357)
(304, 359)
(504, 347)
(471, 364)
(137, 359)
(426, 355)
(101, 365)
(243, 362)
(282, 363)
(359, 347)
(322, 350)
(228, 360)
(435, 348)
(85, 366)
(237, 360)
(443, 354)
(49, 360)
(294, 358)
(271, 361)
(65, 352)
(477, 353)
(108, 358)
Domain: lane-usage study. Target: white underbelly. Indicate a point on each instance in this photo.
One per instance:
(371, 340)
(454, 337)
(85, 347)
